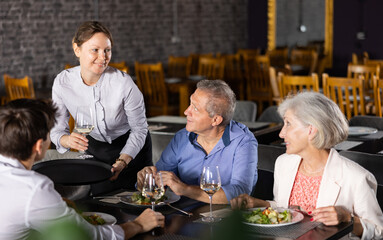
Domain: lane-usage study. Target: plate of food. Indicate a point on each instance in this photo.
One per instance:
(136, 199)
(98, 218)
(269, 217)
(360, 131)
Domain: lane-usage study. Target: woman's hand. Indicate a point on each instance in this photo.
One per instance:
(75, 141)
(243, 201)
(118, 166)
(330, 216)
(141, 175)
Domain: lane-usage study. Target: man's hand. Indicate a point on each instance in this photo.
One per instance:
(141, 175)
(171, 180)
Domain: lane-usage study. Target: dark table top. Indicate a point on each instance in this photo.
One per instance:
(180, 226)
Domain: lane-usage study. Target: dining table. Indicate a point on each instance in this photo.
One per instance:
(181, 226)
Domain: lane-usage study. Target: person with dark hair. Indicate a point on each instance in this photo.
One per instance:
(210, 138)
(28, 199)
(120, 136)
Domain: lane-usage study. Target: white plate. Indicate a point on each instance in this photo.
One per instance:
(109, 219)
(360, 131)
(172, 198)
(196, 77)
(296, 217)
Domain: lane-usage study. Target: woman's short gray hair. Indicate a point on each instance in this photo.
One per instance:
(221, 99)
(315, 109)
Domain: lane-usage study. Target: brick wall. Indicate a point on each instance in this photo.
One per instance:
(35, 35)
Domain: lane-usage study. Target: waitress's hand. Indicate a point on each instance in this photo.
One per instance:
(141, 175)
(75, 141)
(118, 166)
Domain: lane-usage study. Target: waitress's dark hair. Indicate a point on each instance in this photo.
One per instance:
(22, 123)
(88, 29)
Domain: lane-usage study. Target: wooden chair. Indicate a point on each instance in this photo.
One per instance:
(278, 57)
(249, 52)
(277, 95)
(211, 68)
(378, 95)
(120, 66)
(306, 59)
(177, 67)
(233, 74)
(367, 71)
(193, 62)
(375, 62)
(67, 66)
(348, 93)
(151, 82)
(18, 87)
(258, 80)
(294, 84)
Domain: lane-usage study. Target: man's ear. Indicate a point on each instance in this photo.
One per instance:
(38, 147)
(217, 120)
(76, 49)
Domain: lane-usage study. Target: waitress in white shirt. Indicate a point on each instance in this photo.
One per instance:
(120, 136)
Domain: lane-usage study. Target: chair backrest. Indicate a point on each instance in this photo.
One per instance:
(212, 68)
(177, 67)
(120, 66)
(245, 111)
(367, 121)
(373, 163)
(67, 66)
(348, 93)
(151, 82)
(367, 71)
(233, 74)
(277, 95)
(18, 87)
(294, 84)
(375, 62)
(278, 57)
(267, 155)
(378, 95)
(249, 52)
(270, 115)
(307, 58)
(257, 74)
(193, 62)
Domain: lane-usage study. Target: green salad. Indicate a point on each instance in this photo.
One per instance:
(268, 216)
(137, 198)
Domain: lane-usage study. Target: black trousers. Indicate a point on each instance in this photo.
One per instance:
(108, 153)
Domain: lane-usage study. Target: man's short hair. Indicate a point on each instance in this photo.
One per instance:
(222, 99)
(22, 123)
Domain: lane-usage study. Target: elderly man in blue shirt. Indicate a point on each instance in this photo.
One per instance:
(211, 138)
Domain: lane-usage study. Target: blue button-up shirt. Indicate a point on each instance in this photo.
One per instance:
(235, 154)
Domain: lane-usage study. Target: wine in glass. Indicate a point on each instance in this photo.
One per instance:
(153, 188)
(210, 182)
(84, 124)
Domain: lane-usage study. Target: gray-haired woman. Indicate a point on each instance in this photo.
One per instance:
(312, 175)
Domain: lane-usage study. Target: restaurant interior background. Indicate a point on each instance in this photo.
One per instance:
(35, 35)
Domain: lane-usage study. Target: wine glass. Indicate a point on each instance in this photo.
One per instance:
(153, 188)
(84, 124)
(210, 182)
